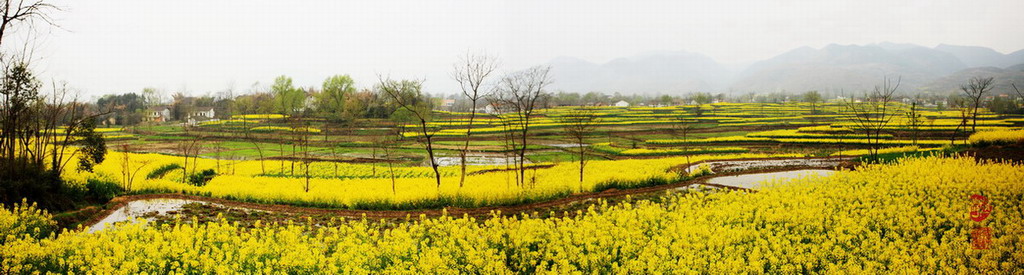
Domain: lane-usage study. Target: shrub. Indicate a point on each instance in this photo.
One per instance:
(630, 184)
(103, 190)
(159, 172)
(201, 178)
(702, 170)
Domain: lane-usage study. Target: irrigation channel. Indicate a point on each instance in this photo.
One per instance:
(732, 174)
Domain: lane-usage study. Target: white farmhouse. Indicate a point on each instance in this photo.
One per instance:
(622, 103)
(158, 114)
(202, 113)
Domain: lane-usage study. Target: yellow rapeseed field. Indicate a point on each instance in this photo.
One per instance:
(906, 218)
(412, 184)
(1003, 136)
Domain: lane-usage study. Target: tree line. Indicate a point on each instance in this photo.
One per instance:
(41, 132)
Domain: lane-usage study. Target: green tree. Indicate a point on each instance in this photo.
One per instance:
(152, 96)
(94, 148)
(665, 100)
(812, 97)
(288, 99)
(332, 98)
(128, 108)
(701, 98)
(357, 104)
(402, 117)
(408, 95)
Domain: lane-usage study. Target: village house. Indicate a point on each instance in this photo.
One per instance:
(447, 104)
(492, 108)
(200, 114)
(158, 114)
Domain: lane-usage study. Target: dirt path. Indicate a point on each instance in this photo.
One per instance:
(119, 202)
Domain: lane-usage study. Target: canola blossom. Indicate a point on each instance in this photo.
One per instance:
(799, 134)
(367, 187)
(861, 152)
(260, 116)
(838, 140)
(24, 220)
(284, 129)
(1005, 136)
(608, 148)
(907, 217)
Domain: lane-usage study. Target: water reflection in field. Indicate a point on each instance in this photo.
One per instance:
(755, 181)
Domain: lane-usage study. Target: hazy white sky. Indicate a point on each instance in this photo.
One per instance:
(209, 46)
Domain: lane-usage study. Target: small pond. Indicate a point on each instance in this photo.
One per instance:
(739, 165)
(475, 160)
(754, 181)
(139, 209)
(567, 145)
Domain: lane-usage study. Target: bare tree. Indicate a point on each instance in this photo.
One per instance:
(407, 95)
(247, 132)
(872, 116)
(961, 104)
(578, 124)
(20, 88)
(508, 143)
(334, 147)
(304, 137)
(216, 155)
(35, 150)
(974, 90)
(20, 92)
(812, 97)
(128, 172)
(519, 93)
(281, 156)
(373, 155)
(189, 148)
(1019, 93)
(79, 125)
(685, 123)
(914, 121)
(30, 121)
(18, 11)
(297, 140)
(843, 102)
(386, 143)
(255, 144)
(471, 72)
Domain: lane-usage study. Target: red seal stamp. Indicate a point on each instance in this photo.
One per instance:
(980, 210)
(981, 238)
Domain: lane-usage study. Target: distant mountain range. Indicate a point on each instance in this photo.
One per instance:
(852, 68)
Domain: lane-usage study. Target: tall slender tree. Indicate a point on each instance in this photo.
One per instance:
(876, 112)
(578, 124)
(914, 121)
(519, 94)
(471, 72)
(812, 97)
(408, 96)
(974, 90)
